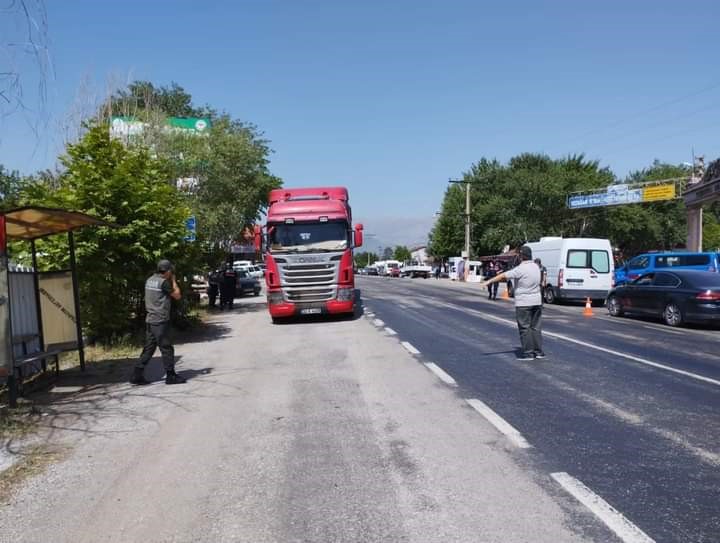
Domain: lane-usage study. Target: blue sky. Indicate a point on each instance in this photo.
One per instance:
(393, 98)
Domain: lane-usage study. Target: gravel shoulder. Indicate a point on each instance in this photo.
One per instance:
(316, 431)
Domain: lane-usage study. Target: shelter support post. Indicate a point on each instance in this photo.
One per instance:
(38, 306)
(76, 299)
(695, 228)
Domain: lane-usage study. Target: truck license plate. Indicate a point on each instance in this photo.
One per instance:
(310, 311)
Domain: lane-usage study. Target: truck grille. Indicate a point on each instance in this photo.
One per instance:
(309, 282)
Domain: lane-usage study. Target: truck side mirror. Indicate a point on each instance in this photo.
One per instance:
(258, 237)
(358, 235)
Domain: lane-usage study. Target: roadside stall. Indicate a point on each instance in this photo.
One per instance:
(39, 311)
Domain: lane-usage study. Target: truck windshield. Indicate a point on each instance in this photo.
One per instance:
(323, 236)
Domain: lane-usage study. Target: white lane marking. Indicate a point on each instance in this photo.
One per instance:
(637, 359)
(409, 348)
(441, 374)
(500, 423)
(370, 315)
(390, 331)
(623, 335)
(595, 347)
(378, 322)
(612, 518)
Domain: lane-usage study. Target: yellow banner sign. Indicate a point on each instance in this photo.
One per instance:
(659, 192)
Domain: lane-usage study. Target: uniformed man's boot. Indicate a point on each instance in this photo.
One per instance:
(138, 377)
(172, 378)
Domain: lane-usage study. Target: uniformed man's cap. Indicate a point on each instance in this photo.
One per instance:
(164, 266)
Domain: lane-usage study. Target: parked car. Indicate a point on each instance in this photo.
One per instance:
(393, 272)
(246, 284)
(371, 270)
(649, 262)
(677, 296)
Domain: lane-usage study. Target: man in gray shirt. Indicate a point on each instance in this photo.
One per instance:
(528, 303)
(160, 288)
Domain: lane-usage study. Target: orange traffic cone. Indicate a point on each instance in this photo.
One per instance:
(587, 312)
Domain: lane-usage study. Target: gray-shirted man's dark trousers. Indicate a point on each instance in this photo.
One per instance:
(529, 321)
(157, 335)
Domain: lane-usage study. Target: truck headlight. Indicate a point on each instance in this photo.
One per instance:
(345, 294)
(275, 298)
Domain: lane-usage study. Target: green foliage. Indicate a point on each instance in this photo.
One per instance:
(402, 253)
(526, 199)
(364, 259)
(11, 185)
(230, 162)
(231, 166)
(143, 96)
(129, 188)
(641, 227)
(515, 203)
(387, 253)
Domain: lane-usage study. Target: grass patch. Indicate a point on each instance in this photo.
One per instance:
(34, 461)
(18, 422)
(95, 354)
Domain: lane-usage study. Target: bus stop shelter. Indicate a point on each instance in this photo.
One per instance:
(39, 311)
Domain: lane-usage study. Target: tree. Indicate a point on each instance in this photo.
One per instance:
(636, 228)
(364, 259)
(126, 187)
(142, 97)
(402, 253)
(233, 179)
(514, 203)
(228, 165)
(387, 253)
(11, 185)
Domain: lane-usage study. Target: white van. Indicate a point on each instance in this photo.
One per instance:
(577, 268)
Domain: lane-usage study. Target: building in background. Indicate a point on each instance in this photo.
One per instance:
(419, 254)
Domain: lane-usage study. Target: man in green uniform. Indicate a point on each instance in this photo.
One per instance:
(160, 289)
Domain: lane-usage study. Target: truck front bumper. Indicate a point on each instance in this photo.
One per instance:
(331, 307)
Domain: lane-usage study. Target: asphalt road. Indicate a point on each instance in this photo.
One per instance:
(628, 407)
(322, 431)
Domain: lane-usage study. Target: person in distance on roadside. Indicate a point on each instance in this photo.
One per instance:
(528, 303)
(491, 271)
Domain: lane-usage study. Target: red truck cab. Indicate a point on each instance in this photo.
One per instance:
(309, 241)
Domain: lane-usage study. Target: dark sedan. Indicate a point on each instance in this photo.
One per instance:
(246, 284)
(675, 296)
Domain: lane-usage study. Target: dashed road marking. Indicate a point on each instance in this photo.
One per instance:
(409, 348)
(612, 518)
(500, 423)
(390, 331)
(378, 322)
(441, 374)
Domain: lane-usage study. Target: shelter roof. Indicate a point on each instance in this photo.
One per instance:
(31, 222)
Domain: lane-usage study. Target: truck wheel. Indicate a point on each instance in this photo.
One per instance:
(549, 295)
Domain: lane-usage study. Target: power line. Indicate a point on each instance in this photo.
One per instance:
(644, 112)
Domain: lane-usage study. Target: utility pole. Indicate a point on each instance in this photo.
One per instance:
(467, 213)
